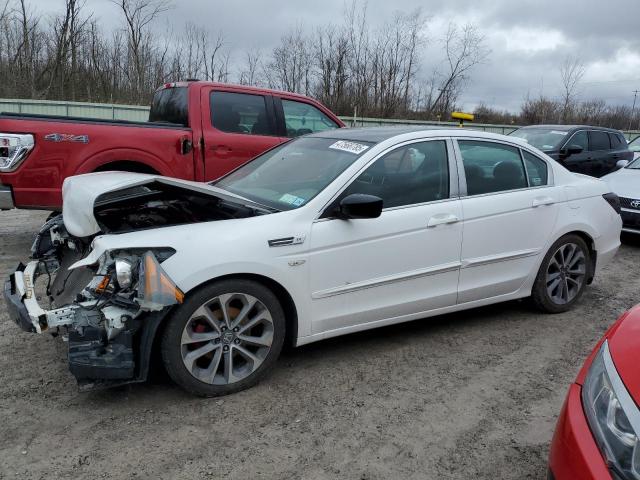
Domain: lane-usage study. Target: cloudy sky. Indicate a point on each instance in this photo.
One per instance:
(528, 39)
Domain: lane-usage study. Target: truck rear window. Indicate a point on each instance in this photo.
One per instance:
(170, 105)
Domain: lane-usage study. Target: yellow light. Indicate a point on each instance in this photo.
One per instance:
(462, 116)
(158, 287)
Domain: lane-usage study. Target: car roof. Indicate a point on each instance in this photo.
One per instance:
(380, 134)
(570, 127)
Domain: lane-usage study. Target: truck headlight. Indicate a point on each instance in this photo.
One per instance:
(613, 416)
(13, 149)
(124, 272)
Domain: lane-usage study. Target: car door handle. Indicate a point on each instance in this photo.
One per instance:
(442, 219)
(539, 201)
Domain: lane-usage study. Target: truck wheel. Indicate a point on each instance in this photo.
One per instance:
(563, 275)
(224, 338)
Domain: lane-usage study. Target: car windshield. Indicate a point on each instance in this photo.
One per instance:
(635, 164)
(635, 145)
(291, 174)
(542, 138)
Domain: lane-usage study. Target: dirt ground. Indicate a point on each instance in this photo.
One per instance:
(474, 394)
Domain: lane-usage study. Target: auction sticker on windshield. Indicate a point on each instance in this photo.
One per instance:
(292, 199)
(351, 147)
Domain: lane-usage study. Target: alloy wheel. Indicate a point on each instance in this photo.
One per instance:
(227, 338)
(566, 273)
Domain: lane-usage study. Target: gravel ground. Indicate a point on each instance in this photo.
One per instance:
(473, 394)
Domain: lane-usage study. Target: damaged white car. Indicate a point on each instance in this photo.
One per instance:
(325, 235)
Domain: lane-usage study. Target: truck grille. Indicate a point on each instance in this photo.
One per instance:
(630, 203)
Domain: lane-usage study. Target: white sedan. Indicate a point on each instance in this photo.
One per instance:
(325, 235)
(625, 182)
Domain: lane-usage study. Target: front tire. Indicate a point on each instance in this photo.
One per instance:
(563, 275)
(224, 338)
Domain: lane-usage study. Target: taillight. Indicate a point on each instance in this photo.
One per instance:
(13, 149)
(613, 200)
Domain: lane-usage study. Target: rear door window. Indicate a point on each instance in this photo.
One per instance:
(302, 118)
(241, 113)
(598, 140)
(491, 167)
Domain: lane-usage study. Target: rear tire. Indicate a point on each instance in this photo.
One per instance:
(563, 275)
(224, 338)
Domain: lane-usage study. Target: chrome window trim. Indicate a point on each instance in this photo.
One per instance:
(463, 179)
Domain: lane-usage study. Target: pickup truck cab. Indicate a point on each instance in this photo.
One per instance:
(196, 131)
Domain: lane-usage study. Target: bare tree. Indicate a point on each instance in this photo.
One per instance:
(292, 63)
(571, 72)
(139, 15)
(464, 49)
(249, 73)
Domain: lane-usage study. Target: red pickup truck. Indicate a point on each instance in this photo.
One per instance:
(196, 131)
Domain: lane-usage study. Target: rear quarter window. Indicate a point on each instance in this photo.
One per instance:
(536, 169)
(170, 105)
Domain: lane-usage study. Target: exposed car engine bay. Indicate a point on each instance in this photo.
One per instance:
(159, 204)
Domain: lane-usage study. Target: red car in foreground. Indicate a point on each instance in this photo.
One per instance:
(598, 432)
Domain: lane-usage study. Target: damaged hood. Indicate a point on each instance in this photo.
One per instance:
(80, 193)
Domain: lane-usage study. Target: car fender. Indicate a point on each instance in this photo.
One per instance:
(124, 154)
(291, 278)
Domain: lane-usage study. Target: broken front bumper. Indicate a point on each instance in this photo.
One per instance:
(20, 296)
(94, 360)
(13, 296)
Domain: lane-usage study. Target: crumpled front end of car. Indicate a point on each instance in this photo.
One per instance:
(108, 311)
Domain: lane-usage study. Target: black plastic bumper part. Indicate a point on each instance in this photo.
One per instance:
(91, 357)
(17, 311)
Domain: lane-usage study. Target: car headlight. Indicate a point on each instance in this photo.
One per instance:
(13, 149)
(124, 272)
(613, 416)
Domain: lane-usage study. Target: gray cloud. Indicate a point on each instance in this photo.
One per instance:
(528, 38)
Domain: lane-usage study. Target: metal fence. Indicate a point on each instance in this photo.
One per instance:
(139, 113)
(76, 109)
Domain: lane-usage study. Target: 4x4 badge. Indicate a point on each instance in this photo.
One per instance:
(63, 137)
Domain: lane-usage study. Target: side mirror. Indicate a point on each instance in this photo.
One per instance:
(571, 150)
(359, 205)
(621, 164)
